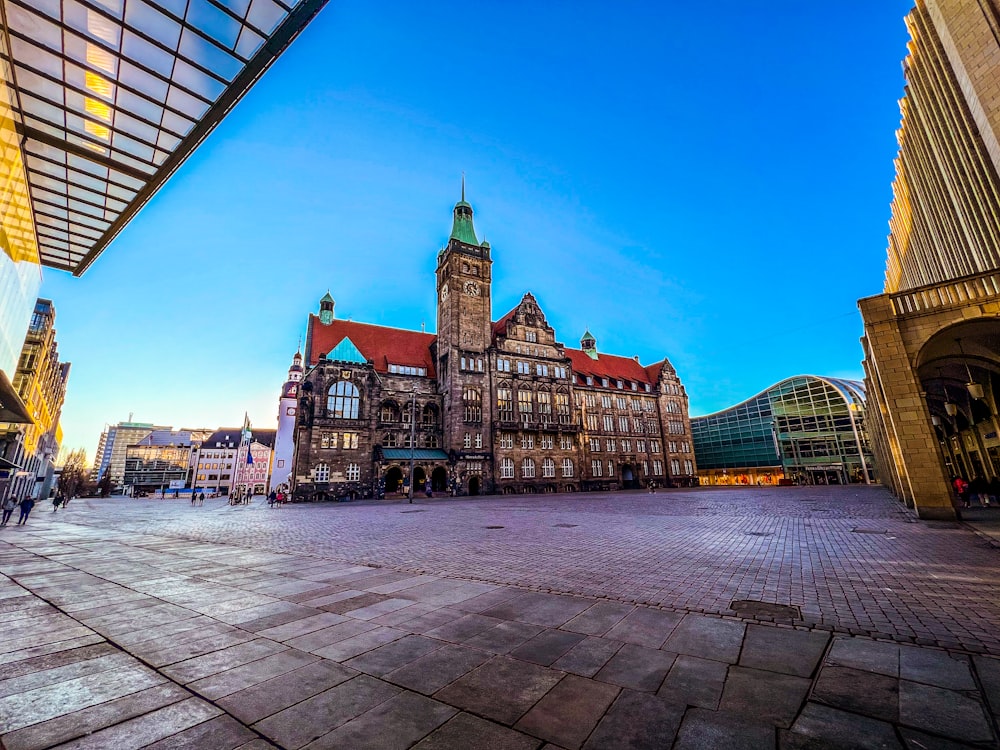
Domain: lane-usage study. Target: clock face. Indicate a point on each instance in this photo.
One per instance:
(444, 293)
(472, 288)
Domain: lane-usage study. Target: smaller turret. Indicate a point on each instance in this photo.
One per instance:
(589, 344)
(326, 309)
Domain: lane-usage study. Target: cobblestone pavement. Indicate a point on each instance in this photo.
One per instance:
(851, 558)
(154, 624)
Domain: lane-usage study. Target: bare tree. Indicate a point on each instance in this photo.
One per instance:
(75, 480)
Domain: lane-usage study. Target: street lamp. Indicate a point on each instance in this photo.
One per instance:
(413, 434)
(975, 389)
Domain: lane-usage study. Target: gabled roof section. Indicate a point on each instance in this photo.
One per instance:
(500, 327)
(108, 104)
(608, 366)
(224, 437)
(264, 437)
(346, 351)
(379, 345)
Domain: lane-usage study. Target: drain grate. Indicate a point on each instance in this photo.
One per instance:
(754, 608)
(759, 533)
(493, 527)
(859, 530)
(565, 525)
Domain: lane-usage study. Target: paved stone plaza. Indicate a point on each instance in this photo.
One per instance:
(559, 621)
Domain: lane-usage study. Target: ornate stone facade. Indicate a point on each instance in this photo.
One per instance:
(483, 406)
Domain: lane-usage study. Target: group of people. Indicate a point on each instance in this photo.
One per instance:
(197, 498)
(978, 489)
(276, 498)
(25, 505)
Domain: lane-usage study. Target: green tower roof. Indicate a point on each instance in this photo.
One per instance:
(461, 227)
(326, 297)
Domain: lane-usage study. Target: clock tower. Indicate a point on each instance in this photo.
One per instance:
(464, 336)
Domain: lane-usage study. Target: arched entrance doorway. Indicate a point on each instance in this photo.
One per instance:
(419, 478)
(393, 479)
(959, 371)
(629, 481)
(439, 479)
(474, 486)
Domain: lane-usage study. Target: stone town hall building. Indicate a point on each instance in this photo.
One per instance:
(490, 406)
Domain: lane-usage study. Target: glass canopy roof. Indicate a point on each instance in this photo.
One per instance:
(110, 96)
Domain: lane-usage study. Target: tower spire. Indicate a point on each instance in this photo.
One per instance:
(461, 227)
(463, 187)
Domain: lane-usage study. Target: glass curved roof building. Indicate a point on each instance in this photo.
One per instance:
(805, 429)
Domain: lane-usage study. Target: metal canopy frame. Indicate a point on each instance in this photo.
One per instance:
(111, 96)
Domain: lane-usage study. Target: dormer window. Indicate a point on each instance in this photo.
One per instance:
(604, 382)
(590, 380)
(620, 384)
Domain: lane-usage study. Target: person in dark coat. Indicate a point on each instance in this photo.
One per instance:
(25, 505)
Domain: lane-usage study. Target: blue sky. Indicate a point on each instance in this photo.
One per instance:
(706, 182)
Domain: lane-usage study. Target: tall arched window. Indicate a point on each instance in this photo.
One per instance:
(473, 403)
(390, 412)
(343, 400)
(528, 468)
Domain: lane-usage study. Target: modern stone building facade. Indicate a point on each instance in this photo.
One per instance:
(932, 339)
(483, 406)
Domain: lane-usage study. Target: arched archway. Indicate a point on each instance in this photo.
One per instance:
(419, 477)
(393, 479)
(474, 486)
(959, 373)
(439, 479)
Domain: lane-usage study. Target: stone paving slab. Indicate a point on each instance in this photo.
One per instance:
(166, 636)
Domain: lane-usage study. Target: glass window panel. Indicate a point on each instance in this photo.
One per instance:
(36, 57)
(176, 124)
(116, 206)
(45, 151)
(195, 81)
(55, 225)
(39, 108)
(239, 7)
(249, 43)
(159, 156)
(35, 27)
(87, 220)
(152, 23)
(40, 86)
(214, 22)
(148, 55)
(139, 105)
(135, 78)
(40, 166)
(127, 180)
(207, 55)
(135, 128)
(87, 182)
(56, 214)
(181, 100)
(86, 208)
(167, 141)
(265, 15)
(120, 192)
(132, 147)
(86, 165)
(132, 163)
(56, 199)
(83, 194)
(45, 127)
(48, 183)
(51, 8)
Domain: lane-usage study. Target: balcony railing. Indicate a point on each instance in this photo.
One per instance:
(957, 293)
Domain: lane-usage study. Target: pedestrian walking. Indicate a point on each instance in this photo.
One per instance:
(56, 502)
(25, 505)
(201, 498)
(8, 509)
(194, 497)
(962, 490)
(427, 489)
(652, 488)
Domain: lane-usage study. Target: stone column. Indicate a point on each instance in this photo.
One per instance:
(921, 466)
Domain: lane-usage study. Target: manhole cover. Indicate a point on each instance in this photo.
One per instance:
(858, 530)
(759, 533)
(422, 510)
(754, 608)
(565, 525)
(494, 527)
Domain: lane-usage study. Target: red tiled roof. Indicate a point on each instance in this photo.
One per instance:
(610, 366)
(501, 325)
(379, 344)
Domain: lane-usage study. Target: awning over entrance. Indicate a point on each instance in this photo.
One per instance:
(11, 407)
(422, 454)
